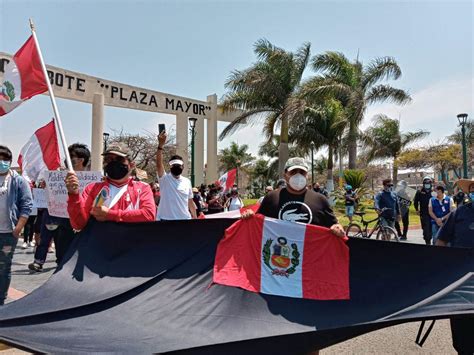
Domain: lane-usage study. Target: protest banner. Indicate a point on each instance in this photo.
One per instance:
(57, 193)
(39, 198)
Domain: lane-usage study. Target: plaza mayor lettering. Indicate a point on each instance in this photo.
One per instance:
(81, 87)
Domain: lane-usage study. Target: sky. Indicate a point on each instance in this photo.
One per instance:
(189, 48)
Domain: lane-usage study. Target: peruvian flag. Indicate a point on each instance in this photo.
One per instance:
(228, 179)
(41, 152)
(283, 258)
(23, 78)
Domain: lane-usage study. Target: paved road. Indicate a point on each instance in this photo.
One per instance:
(393, 340)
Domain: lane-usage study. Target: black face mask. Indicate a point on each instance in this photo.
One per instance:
(176, 170)
(116, 170)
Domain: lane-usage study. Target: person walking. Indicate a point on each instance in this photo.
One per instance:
(404, 202)
(349, 202)
(234, 202)
(16, 204)
(421, 201)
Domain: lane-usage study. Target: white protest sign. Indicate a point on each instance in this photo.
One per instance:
(39, 198)
(57, 193)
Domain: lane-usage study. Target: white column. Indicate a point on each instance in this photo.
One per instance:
(182, 140)
(97, 142)
(211, 173)
(199, 152)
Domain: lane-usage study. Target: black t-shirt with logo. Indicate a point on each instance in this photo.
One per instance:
(310, 207)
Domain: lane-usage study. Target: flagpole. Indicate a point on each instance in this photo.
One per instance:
(57, 118)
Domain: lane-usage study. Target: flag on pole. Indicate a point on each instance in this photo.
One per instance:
(228, 179)
(283, 258)
(41, 152)
(23, 78)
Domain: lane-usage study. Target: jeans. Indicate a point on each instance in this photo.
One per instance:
(46, 236)
(406, 222)
(7, 246)
(29, 229)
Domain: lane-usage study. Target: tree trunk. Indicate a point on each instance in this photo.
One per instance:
(329, 176)
(352, 145)
(283, 152)
(395, 171)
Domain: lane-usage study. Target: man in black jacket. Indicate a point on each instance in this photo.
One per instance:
(422, 199)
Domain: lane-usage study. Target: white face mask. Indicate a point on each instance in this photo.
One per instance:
(297, 182)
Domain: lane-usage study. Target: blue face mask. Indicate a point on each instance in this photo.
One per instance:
(427, 186)
(471, 196)
(4, 166)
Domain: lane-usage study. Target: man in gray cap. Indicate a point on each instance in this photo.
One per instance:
(296, 203)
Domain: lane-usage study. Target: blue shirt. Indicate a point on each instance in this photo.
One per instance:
(459, 228)
(387, 199)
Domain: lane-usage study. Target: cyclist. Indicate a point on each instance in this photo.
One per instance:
(386, 205)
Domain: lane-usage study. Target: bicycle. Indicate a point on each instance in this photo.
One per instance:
(385, 233)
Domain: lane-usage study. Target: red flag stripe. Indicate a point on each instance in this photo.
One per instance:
(325, 265)
(28, 63)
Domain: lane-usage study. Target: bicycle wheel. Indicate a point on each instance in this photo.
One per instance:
(388, 234)
(354, 230)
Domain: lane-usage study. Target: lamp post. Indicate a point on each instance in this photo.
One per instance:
(192, 123)
(462, 118)
(105, 137)
(312, 163)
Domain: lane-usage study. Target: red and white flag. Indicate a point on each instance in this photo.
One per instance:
(41, 152)
(228, 179)
(283, 258)
(23, 78)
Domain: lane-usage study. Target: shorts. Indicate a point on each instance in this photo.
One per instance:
(387, 222)
(349, 211)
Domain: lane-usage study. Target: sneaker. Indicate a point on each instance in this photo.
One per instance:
(32, 244)
(24, 245)
(51, 249)
(35, 267)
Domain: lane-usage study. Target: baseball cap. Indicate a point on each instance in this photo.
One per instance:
(296, 163)
(119, 149)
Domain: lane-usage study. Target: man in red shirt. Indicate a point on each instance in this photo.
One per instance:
(118, 198)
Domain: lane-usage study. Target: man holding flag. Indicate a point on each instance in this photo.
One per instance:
(15, 207)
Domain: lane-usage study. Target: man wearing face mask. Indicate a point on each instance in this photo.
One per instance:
(118, 198)
(176, 190)
(421, 202)
(387, 199)
(15, 207)
(296, 203)
(458, 231)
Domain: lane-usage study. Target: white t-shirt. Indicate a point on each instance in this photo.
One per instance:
(5, 222)
(236, 203)
(174, 196)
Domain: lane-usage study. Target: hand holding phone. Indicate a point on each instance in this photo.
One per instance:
(161, 128)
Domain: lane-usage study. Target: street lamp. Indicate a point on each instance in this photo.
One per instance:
(192, 123)
(105, 138)
(312, 164)
(462, 118)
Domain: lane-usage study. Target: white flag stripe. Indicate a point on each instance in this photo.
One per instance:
(273, 282)
(32, 157)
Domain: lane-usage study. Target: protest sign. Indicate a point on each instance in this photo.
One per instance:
(39, 198)
(57, 193)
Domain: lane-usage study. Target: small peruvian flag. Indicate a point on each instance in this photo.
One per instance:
(228, 179)
(283, 258)
(23, 78)
(41, 152)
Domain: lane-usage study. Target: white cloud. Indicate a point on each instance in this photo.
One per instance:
(433, 108)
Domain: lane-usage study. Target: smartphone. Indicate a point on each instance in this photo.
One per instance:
(161, 128)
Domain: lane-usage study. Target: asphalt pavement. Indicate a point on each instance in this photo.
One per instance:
(398, 339)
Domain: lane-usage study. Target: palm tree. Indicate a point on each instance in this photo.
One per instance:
(356, 86)
(271, 150)
(385, 140)
(456, 137)
(266, 91)
(234, 156)
(323, 124)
